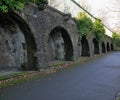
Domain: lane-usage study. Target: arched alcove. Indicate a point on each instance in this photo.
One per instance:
(60, 45)
(112, 48)
(108, 47)
(103, 47)
(24, 44)
(96, 46)
(85, 47)
(79, 47)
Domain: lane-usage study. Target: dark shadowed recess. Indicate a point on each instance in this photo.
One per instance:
(96, 46)
(68, 46)
(30, 42)
(85, 47)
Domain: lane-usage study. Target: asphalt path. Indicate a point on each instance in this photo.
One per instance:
(97, 79)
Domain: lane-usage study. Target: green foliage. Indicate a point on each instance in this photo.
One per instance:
(116, 39)
(99, 30)
(38, 1)
(6, 5)
(85, 24)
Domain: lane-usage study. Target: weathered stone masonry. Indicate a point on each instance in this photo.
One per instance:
(33, 38)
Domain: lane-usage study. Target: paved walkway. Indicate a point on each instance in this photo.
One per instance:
(97, 79)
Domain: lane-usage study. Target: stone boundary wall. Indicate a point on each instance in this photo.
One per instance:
(38, 26)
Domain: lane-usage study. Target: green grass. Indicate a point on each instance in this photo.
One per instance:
(19, 78)
(12, 75)
(57, 64)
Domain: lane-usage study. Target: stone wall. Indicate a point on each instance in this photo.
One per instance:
(38, 37)
(12, 44)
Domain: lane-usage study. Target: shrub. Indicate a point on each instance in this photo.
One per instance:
(6, 5)
(98, 30)
(116, 39)
(85, 24)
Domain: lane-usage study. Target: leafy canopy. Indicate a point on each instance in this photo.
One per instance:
(116, 39)
(85, 24)
(98, 30)
(6, 5)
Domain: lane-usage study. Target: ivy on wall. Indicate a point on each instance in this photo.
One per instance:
(86, 26)
(84, 23)
(6, 5)
(98, 30)
(38, 1)
(116, 39)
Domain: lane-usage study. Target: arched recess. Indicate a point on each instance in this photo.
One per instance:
(85, 47)
(112, 48)
(60, 45)
(108, 47)
(96, 46)
(79, 47)
(30, 42)
(103, 47)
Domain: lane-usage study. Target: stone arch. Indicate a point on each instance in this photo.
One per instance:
(29, 45)
(60, 45)
(112, 48)
(103, 47)
(85, 47)
(96, 46)
(108, 47)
